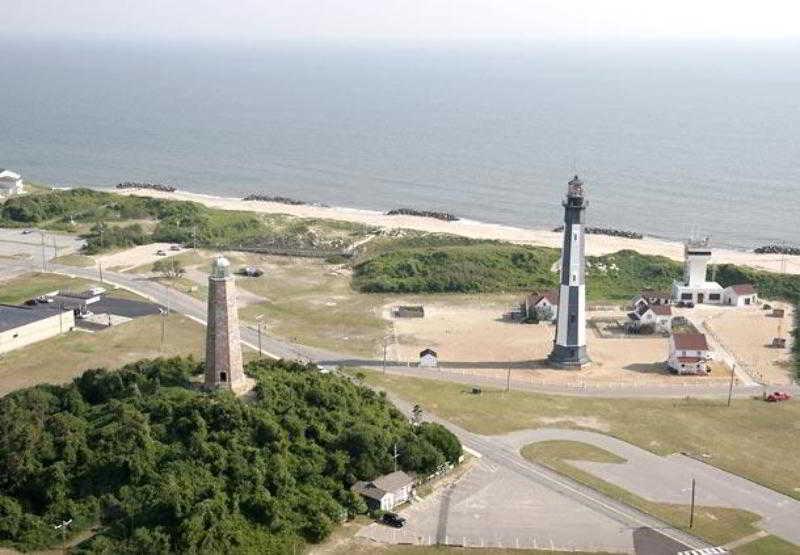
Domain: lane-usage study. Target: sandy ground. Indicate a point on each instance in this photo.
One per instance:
(135, 256)
(472, 336)
(747, 332)
(596, 244)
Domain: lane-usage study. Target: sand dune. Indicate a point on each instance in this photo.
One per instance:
(596, 244)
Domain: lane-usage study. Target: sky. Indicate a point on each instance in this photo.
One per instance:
(411, 20)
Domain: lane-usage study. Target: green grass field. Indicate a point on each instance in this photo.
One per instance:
(78, 260)
(62, 358)
(752, 438)
(27, 286)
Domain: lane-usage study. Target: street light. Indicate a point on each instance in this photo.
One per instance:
(63, 527)
(163, 326)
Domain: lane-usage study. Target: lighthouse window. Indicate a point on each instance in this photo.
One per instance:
(223, 377)
(575, 236)
(574, 278)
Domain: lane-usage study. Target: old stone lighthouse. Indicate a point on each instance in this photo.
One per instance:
(223, 346)
(569, 346)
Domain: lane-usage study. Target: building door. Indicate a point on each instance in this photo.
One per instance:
(700, 298)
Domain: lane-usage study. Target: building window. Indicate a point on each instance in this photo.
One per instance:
(686, 296)
(714, 296)
(223, 377)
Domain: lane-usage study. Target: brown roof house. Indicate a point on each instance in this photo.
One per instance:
(742, 294)
(386, 492)
(541, 306)
(689, 353)
(650, 297)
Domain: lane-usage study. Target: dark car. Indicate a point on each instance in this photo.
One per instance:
(393, 520)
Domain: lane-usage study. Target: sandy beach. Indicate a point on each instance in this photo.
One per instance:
(596, 244)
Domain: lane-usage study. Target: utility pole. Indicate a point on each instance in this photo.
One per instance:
(395, 456)
(259, 319)
(385, 340)
(44, 256)
(730, 388)
(100, 266)
(63, 527)
(691, 510)
(61, 317)
(194, 236)
(508, 380)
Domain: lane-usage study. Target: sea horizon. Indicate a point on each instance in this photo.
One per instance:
(672, 139)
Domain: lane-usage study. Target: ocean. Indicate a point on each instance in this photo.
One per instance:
(671, 139)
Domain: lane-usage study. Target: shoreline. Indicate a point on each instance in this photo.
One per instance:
(596, 245)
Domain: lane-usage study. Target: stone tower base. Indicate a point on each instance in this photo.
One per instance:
(569, 357)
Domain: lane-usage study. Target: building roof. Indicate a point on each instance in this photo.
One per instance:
(645, 293)
(743, 289)
(428, 352)
(382, 485)
(662, 309)
(690, 341)
(12, 316)
(551, 296)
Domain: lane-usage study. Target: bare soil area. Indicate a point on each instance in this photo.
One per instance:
(748, 333)
(475, 337)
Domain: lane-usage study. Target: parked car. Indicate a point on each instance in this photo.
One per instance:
(97, 290)
(27, 231)
(393, 520)
(777, 397)
(44, 299)
(175, 248)
(85, 315)
(686, 304)
(159, 252)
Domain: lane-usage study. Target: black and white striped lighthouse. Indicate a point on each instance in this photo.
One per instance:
(569, 346)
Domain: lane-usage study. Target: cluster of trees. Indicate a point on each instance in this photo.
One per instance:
(160, 467)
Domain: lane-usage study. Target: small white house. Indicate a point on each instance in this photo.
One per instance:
(743, 294)
(386, 492)
(689, 353)
(659, 316)
(428, 359)
(538, 304)
(11, 183)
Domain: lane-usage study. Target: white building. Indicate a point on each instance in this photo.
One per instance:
(695, 287)
(659, 316)
(743, 294)
(689, 353)
(386, 492)
(428, 359)
(23, 325)
(11, 183)
(539, 304)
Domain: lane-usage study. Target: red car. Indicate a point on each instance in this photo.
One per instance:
(778, 396)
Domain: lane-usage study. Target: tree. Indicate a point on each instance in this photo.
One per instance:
(416, 415)
(169, 267)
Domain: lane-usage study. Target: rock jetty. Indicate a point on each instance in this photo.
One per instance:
(777, 249)
(153, 186)
(607, 231)
(444, 216)
(271, 198)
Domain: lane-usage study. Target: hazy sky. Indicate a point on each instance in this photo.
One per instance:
(404, 19)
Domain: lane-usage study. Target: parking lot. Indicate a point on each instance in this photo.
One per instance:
(15, 242)
(492, 506)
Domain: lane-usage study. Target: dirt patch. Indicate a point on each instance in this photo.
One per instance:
(589, 422)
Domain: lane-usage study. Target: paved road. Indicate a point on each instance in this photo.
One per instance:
(667, 479)
(196, 309)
